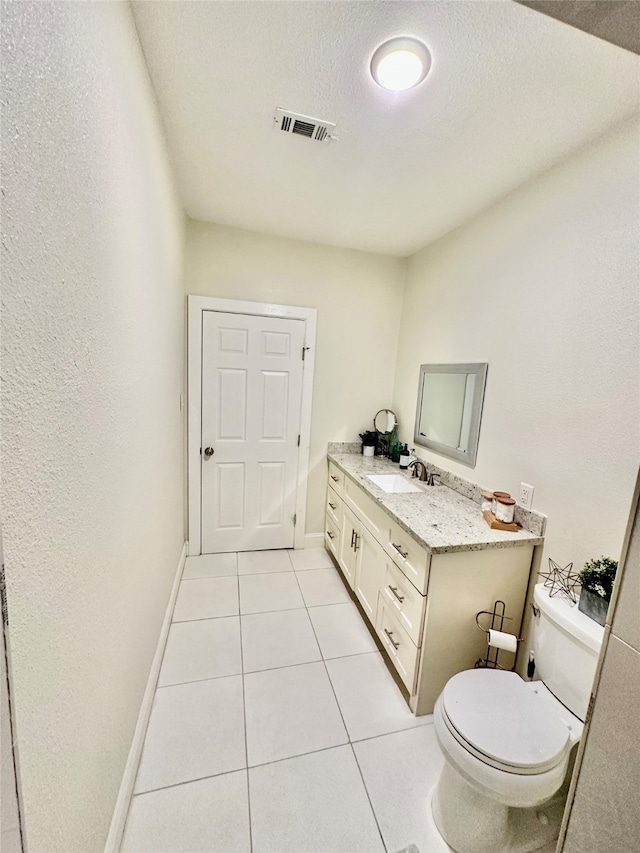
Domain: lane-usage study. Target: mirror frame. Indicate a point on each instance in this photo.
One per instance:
(469, 456)
(395, 418)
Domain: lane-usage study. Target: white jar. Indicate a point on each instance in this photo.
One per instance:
(368, 450)
(505, 509)
(494, 502)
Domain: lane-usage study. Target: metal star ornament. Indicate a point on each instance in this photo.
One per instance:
(552, 577)
(561, 580)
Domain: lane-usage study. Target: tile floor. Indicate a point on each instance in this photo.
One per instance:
(276, 725)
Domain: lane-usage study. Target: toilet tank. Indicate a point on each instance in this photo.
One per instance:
(566, 644)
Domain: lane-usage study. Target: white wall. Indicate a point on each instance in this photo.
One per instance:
(358, 296)
(544, 287)
(92, 361)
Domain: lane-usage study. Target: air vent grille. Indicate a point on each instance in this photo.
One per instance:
(300, 125)
(304, 128)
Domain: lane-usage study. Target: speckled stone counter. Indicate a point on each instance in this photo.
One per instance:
(441, 519)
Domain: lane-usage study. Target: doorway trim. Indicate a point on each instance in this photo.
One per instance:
(196, 305)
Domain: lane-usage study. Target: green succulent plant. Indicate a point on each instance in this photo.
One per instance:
(598, 576)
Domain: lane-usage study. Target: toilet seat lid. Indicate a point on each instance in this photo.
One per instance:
(496, 714)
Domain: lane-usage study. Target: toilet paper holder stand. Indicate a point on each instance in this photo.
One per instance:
(496, 624)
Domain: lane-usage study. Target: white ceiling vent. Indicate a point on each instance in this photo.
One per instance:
(312, 128)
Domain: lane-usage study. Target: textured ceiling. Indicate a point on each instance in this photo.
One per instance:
(510, 92)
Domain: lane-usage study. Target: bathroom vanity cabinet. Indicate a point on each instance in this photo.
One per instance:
(421, 597)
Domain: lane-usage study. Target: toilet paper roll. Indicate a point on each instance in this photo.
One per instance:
(500, 640)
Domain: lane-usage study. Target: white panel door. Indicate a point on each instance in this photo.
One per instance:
(369, 573)
(347, 555)
(252, 371)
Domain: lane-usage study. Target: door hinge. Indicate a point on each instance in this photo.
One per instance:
(589, 714)
(295, 519)
(298, 441)
(3, 597)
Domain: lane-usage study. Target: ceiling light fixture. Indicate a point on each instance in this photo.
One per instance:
(400, 63)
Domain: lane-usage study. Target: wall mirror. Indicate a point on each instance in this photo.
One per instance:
(449, 409)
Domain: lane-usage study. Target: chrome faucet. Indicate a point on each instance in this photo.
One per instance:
(424, 475)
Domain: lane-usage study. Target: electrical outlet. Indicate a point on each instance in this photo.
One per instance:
(526, 495)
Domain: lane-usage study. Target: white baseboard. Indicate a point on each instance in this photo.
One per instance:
(116, 830)
(313, 540)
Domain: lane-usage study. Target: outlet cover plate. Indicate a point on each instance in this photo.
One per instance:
(526, 495)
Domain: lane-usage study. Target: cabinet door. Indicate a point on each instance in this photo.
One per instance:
(370, 566)
(370, 512)
(347, 554)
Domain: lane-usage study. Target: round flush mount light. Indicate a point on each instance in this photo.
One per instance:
(400, 63)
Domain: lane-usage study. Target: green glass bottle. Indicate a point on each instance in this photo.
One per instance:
(395, 445)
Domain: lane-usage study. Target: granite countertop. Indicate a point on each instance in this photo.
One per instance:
(440, 518)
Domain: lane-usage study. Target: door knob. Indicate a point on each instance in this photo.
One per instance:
(208, 451)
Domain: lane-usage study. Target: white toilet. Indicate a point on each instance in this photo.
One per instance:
(507, 743)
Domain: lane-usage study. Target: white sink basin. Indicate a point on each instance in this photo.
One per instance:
(392, 483)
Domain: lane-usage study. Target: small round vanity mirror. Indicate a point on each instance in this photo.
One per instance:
(385, 421)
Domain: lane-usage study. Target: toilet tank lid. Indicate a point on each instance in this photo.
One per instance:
(566, 615)
(495, 712)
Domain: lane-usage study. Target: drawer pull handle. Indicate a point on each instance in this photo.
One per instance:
(403, 554)
(394, 590)
(333, 506)
(355, 544)
(353, 534)
(335, 479)
(330, 535)
(391, 640)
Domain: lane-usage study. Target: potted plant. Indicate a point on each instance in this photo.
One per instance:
(596, 580)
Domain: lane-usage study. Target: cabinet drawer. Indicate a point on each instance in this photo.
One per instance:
(410, 557)
(332, 536)
(398, 644)
(367, 509)
(336, 478)
(403, 599)
(334, 507)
